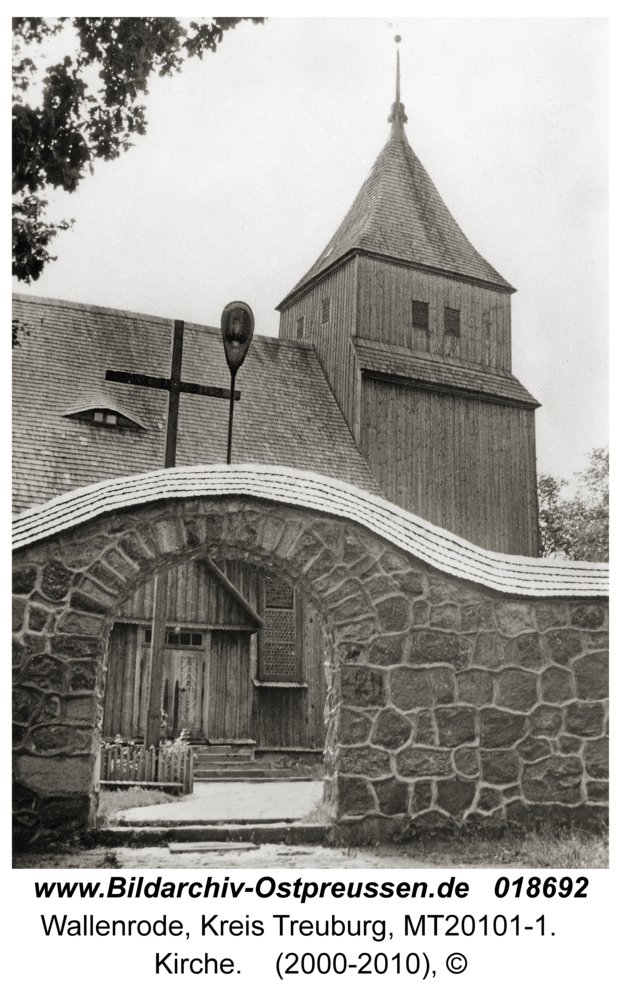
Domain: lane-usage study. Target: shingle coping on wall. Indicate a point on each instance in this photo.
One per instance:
(520, 575)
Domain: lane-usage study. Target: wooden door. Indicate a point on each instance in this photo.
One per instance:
(184, 690)
(230, 686)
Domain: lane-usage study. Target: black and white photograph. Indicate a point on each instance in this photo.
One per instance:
(310, 465)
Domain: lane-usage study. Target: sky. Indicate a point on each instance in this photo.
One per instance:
(253, 156)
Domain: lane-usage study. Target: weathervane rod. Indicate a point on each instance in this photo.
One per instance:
(397, 115)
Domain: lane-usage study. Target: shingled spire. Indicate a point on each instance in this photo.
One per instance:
(400, 215)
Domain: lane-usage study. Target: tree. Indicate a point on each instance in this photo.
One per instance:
(55, 143)
(576, 528)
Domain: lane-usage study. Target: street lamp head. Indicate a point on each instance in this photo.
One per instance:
(237, 326)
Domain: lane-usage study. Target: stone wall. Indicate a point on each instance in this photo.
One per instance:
(479, 710)
(448, 702)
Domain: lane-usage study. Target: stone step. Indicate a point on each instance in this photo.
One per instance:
(232, 758)
(270, 776)
(253, 821)
(210, 846)
(232, 774)
(221, 761)
(226, 747)
(258, 833)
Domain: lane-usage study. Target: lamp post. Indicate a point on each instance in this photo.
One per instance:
(237, 326)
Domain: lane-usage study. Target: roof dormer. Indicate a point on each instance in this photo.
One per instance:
(102, 411)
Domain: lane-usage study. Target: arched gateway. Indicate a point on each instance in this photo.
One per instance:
(460, 684)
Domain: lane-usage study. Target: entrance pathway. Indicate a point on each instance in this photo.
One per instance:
(232, 802)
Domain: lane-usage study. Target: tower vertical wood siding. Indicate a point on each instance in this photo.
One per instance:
(332, 340)
(373, 299)
(464, 464)
(384, 313)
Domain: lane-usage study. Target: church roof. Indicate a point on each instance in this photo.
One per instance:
(287, 414)
(399, 214)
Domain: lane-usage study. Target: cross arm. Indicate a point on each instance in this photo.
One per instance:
(155, 382)
(207, 390)
(135, 378)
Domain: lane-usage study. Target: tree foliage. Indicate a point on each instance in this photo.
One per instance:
(55, 143)
(576, 528)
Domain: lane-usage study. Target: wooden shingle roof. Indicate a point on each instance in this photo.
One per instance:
(287, 414)
(399, 214)
(433, 371)
(441, 549)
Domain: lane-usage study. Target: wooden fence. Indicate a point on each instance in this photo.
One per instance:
(124, 766)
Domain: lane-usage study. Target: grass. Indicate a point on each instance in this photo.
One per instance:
(113, 802)
(546, 848)
(561, 849)
(549, 847)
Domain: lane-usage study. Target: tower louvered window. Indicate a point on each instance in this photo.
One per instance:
(300, 327)
(451, 322)
(279, 659)
(420, 315)
(325, 310)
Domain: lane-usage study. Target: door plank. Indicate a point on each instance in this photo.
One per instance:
(229, 686)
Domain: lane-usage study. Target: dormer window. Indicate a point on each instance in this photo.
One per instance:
(103, 412)
(451, 322)
(104, 418)
(325, 311)
(108, 417)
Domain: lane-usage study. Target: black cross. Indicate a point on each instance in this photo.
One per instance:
(174, 386)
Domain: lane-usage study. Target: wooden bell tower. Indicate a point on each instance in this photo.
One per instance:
(413, 330)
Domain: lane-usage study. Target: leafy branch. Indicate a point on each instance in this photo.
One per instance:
(55, 143)
(578, 527)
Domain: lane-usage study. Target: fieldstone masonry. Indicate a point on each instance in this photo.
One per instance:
(448, 703)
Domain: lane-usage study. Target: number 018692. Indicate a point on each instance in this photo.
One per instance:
(564, 887)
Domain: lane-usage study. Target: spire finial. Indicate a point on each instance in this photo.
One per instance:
(397, 116)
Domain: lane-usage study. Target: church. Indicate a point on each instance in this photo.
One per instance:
(391, 373)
